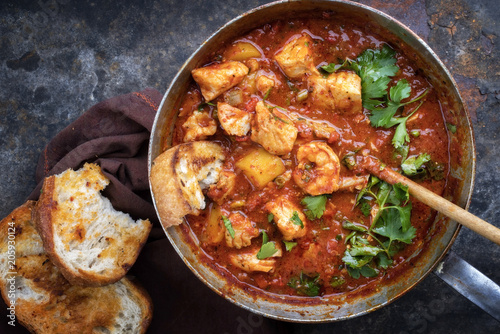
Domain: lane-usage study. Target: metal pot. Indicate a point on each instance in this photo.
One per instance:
(443, 232)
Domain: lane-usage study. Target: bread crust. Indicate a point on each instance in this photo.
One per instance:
(54, 221)
(172, 197)
(53, 305)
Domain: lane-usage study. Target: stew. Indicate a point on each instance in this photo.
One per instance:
(296, 105)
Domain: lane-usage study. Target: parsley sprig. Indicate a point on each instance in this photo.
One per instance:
(390, 228)
(376, 69)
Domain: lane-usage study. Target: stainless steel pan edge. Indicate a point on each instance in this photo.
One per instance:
(444, 231)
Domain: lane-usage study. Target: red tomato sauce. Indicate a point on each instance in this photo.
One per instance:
(321, 250)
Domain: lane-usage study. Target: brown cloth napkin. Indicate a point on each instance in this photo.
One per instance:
(115, 134)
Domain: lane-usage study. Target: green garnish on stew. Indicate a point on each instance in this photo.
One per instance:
(390, 227)
(315, 206)
(268, 248)
(289, 245)
(295, 219)
(305, 285)
(228, 225)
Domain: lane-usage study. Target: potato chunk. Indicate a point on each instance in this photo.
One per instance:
(272, 130)
(340, 91)
(216, 79)
(235, 121)
(261, 167)
(242, 51)
(296, 58)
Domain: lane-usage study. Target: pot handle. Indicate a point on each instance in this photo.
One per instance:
(471, 283)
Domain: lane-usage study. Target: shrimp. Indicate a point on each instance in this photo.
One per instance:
(318, 171)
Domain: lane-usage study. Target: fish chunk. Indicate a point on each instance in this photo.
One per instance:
(339, 92)
(296, 58)
(244, 231)
(286, 215)
(199, 126)
(272, 130)
(249, 262)
(264, 84)
(216, 79)
(234, 121)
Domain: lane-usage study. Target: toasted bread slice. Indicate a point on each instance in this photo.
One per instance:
(45, 302)
(179, 175)
(90, 242)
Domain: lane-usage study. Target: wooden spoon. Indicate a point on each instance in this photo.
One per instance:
(424, 195)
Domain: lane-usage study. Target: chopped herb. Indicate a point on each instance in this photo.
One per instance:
(228, 225)
(289, 245)
(353, 227)
(315, 206)
(270, 217)
(295, 219)
(338, 237)
(268, 248)
(365, 208)
(305, 285)
(349, 161)
(412, 165)
(267, 93)
(451, 127)
(415, 133)
(332, 67)
(337, 281)
(436, 170)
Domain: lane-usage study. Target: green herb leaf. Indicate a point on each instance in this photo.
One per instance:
(332, 67)
(412, 165)
(391, 224)
(337, 281)
(229, 227)
(368, 271)
(268, 248)
(365, 208)
(305, 285)
(296, 220)
(383, 261)
(289, 245)
(315, 206)
(353, 227)
(270, 217)
(451, 127)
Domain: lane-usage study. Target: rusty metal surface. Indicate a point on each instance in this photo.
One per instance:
(328, 308)
(59, 57)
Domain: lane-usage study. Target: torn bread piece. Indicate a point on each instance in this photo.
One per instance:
(178, 177)
(84, 236)
(46, 302)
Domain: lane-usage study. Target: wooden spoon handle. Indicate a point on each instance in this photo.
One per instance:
(436, 202)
